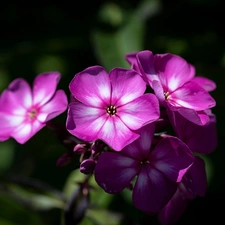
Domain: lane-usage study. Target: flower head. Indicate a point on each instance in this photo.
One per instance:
(24, 111)
(110, 107)
(173, 80)
(158, 169)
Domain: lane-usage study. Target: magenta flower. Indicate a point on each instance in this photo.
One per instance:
(200, 139)
(110, 107)
(193, 184)
(173, 82)
(158, 170)
(23, 112)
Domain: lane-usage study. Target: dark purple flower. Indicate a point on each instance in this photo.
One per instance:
(158, 170)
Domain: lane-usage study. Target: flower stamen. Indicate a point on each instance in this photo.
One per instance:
(166, 94)
(32, 114)
(111, 110)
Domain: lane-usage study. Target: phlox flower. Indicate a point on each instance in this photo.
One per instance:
(24, 111)
(193, 184)
(110, 107)
(158, 169)
(173, 80)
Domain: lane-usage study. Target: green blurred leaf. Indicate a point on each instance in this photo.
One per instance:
(6, 155)
(6, 222)
(104, 217)
(110, 48)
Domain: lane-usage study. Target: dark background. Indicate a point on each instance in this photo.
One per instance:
(68, 38)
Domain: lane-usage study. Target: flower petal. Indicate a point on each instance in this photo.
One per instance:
(84, 121)
(126, 86)
(146, 64)
(17, 98)
(92, 87)
(197, 117)
(114, 171)
(140, 148)
(116, 134)
(132, 60)
(195, 179)
(54, 107)
(205, 83)
(44, 87)
(173, 71)
(140, 111)
(172, 157)
(26, 130)
(152, 191)
(174, 209)
(192, 96)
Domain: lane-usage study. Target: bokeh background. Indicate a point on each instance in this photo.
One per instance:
(67, 38)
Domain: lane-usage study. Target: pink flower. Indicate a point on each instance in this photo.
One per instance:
(173, 82)
(193, 184)
(158, 170)
(23, 112)
(110, 107)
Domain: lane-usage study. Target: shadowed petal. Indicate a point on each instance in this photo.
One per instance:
(173, 70)
(44, 87)
(92, 87)
(174, 209)
(139, 112)
(172, 157)
(199, 117)
(85, 121)
(146, 64)
(192, 96)
(114, 172)
(131, 58)
(140, 148)
(152, 190)
(116, 134)
(53, 108)
(126, 86)
(205, 83)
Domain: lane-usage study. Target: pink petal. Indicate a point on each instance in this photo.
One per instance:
(199, 117)
(127, 85)
(152, 190)
(84, 121)
(140, 148)
(131, 58)
(92, 87)
(44, 87)
(26, 130)
(205, 83)
(159, 92)
(146, 64)
(172, 157)
(17, 98)
(173, 71)
(192, 96)
(114, 171)
(56, 106)
(140, 111)
(116, 134)
(174, 209)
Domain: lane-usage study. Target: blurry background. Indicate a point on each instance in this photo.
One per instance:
(69, 38)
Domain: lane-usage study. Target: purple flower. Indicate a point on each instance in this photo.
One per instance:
(193, 184)
(200, 139)
(23, 112)
(158, 170)
(110, 107)
(173, 82)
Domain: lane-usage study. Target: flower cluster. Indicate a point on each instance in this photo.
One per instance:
(139, 128)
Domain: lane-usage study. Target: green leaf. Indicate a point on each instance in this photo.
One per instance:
(6, 155)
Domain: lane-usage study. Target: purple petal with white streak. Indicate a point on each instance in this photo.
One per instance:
(172, 157)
